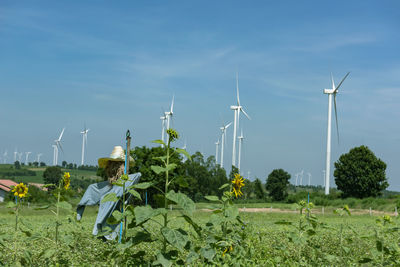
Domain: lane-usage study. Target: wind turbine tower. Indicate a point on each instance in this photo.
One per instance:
(15, 155)
(163, 121)
(5, 156)
(26, 157)
(223, 129)
(240, 147)
(216, 151)
(331, 92)
(237, 109)
(84, 143)
(309, 179)
(38, 158)
(20, 157)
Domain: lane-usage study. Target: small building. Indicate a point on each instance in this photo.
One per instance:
(5, 187)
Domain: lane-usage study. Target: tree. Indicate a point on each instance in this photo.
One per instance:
(64, 164)
(359, 173)
(35, 163)
(17, 165)
(277, 183)
(42, 164)
(52, 175)
(258, 189)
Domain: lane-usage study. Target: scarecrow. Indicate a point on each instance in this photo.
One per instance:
(114, 167)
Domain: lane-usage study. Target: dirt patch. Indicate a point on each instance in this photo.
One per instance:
(315, 211)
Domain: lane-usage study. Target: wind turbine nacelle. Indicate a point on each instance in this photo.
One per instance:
(329, 91)
(234, 107)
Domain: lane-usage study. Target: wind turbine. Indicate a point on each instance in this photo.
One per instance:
(20, 157)
(26, 157)
(301, 177)
(309, 179)
(163, 120)
(168, 114)
(38, 158)
(237, 109)
(84, 142)
(223, 129)
(297, 176)
(5, 156)
(15, 155)
(216, 151)
(57, 143)
(331, 92)
(240, 147)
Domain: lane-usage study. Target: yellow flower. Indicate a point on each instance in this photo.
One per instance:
(66, 180)
(228, 249)
(20, 190)
(173, 135)
(237, 184)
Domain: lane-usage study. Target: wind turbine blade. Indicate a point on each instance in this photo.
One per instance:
(342, 81)
(62, 132)
(237, 89)
(333, 82)
(244, 112)
(337, 126)
(226, 127)
(172, 104)
(59, 145)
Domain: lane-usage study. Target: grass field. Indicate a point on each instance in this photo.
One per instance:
(337, 240)
(38, 177)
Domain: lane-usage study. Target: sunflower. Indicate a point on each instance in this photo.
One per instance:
(173, 134)
(66, 180)
(20, 190)
(237, 184)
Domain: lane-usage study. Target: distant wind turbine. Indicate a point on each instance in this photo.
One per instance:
(5, 156)
(297, 176)
(223, 136)
(237, 109)
(309, 179)
(170, 113)
(20, 157)
(38, 157)
(15, 155)
(84, 142)
(216, 151)
(26, 157)
(163, 121)
(57, 144)
(331, 92)
(301, 177)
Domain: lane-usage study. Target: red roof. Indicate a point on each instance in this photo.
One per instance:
(7, 184)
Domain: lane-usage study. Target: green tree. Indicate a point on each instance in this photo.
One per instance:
(35, 163)
(64, 164)
(17, 165)
(52, 175)
(42, 164)
(277, 183)
(258, 189)
(359, 173)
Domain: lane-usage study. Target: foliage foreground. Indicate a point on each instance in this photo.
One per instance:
(270, 239)
(185, 236)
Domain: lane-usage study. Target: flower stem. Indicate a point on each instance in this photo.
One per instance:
(58, 209)
(165, 196)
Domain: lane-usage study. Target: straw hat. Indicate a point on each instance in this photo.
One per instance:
(116, 155)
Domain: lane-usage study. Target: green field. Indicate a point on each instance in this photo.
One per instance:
(38, 177)
(337, 240)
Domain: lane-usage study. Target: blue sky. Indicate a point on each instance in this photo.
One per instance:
(116, 65)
